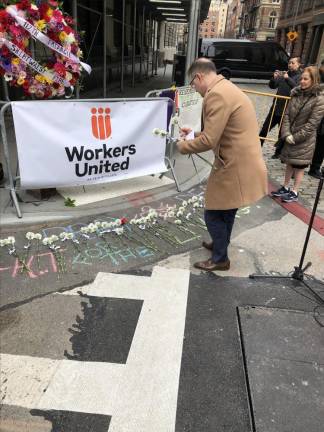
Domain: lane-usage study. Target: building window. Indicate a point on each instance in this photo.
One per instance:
(272, 20)
(275, 1)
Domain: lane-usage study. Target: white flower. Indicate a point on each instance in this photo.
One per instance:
(33, 6)
(8, 77)
(70, 39)
(175, 120)
(84, 230)
(119, 231)
(38, 236)
(69, 236)
(171, 214)
(46, 241)
(178, 222)
(97, 224)
(156, 132)
(163, 133)
(11, 240)
(184, 203)
(182, 209)
(105, 225)
(201, 198)
(54, 238)
(194, 198)
(63, 236)
(179, 214)
(92, 226)
(30, 235)
(196, 205)
(3, 242)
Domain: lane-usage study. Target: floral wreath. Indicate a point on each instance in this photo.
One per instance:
(45, 22)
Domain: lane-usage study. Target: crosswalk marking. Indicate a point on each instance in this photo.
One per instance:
(142, 394)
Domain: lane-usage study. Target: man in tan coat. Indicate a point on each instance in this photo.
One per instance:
(238, 176)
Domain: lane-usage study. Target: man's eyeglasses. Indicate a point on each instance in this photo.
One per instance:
(193, 79)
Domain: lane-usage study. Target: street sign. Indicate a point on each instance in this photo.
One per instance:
(292, 35)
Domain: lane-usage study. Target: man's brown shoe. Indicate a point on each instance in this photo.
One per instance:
(209, 265)
(207, 245)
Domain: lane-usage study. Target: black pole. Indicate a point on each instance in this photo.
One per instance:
(299, 271)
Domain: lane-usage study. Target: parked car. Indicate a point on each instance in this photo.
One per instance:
(242, 58)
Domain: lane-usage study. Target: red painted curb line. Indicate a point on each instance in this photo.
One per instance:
(299, 211)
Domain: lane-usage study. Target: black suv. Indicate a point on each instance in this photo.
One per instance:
(244, 58)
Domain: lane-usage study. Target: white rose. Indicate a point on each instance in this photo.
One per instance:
(178, 222)
(38, 236)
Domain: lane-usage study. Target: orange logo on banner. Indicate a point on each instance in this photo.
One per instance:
(101, 123)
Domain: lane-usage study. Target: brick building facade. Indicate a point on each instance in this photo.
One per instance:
(259, 19)
(214, 24)
(307, 18)
(232, 28)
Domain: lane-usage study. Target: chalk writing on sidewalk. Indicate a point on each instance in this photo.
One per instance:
(38, 265)
(101, 251)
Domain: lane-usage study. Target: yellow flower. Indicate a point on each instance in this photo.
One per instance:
(40, 78)
(62, 36)
(20, 81)
(48, 80)
(68, 76)
(40, 25)
(15, 61)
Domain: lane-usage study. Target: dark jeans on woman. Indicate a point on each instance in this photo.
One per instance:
(219, 225)
(318, 156)
(276, 119)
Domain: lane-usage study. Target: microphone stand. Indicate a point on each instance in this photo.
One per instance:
(299, 271)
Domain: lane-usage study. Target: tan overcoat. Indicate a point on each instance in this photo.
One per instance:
(239, 176)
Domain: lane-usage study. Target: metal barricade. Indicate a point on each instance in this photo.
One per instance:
(171, 144)
(13, 180)
(172, 147)
(268, 109)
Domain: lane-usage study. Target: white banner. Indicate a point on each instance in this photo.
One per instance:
(190, 108)
(81, 143)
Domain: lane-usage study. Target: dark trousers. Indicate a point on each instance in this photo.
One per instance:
(267, 126)
(219, 225)
(318, 156)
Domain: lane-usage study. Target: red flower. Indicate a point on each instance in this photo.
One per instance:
(69, 21)
(4, 51)
(123, 221)
(57, 15)
(53, 3)
(60, 69)
(4, 16)
(23, 4)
